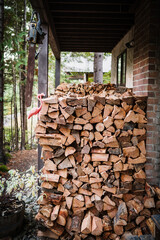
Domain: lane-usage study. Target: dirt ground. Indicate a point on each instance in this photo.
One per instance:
(23, 160)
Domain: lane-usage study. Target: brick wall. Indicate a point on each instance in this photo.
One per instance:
(146, 80)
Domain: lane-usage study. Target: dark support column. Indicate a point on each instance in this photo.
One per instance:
(43, 77)
(86, 77)
(57, 72)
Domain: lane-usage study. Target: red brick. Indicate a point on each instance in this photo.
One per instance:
(152, 154)
(151, 94)
(153, 74)
(152, 101)
(151, 81)
(151, 114)
(148, 166)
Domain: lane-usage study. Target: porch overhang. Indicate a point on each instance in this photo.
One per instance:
(85, 26)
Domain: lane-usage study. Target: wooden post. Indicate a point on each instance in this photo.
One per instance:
(86, 77)
(43, 76)
(57, 72)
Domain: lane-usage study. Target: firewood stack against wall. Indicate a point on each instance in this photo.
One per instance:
(93, 179)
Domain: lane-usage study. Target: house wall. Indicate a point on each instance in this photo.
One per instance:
(117, 50)
(146, 78)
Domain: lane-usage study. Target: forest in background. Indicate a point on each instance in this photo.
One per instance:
(19, 132)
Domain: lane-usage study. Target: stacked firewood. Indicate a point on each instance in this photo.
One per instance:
(93, 179)
(84, 89)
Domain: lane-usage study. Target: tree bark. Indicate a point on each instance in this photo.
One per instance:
(98, 67)
(31, 130)
(22, 87)
(11, 123)
(1, 79)
(15, 107)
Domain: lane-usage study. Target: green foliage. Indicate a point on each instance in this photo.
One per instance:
(14, 55)
(8, 137)
(107, 77)
(21, 185)
(3, 168)
(77, 56)
(28, 147)
(7, 155)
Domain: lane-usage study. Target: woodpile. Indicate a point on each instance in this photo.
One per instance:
(83, 89)
(93, 179)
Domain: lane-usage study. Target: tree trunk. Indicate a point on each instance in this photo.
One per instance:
(31, 131)
(1, 79)
(98, 67)
(15, 107)
(22, 87)
(11, 124)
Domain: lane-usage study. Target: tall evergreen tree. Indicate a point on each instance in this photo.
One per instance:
(22, 83)
(1, 78)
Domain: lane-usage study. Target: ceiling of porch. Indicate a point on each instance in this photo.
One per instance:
(86, 26)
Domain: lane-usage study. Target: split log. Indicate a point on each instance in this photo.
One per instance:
(100, 157)
(55, 212)
(86, 226)
(62, 216)
(97, 226)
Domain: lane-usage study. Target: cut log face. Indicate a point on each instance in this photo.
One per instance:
(149, 203)
(132, 152)
(86, 226)
(62, 216)
(131, 117)
(97, 226)
(141, 159)
(107, 200)
(50, 177)
(55, 212)
(100, 127)
(46, 210)
(50, 166)
(111, 141)
(93, 140)
(108, 121)
(65, 164)
(100, 157)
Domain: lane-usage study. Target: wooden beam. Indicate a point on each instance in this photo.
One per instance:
(109, 16)
(86, 37)
(43, 76)
(85, 46)
(89, 32)
(84, 41)
(57, 72)
(84, 49)
(94, 2)
(54, 7)
(95, 21)
(92, 28)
